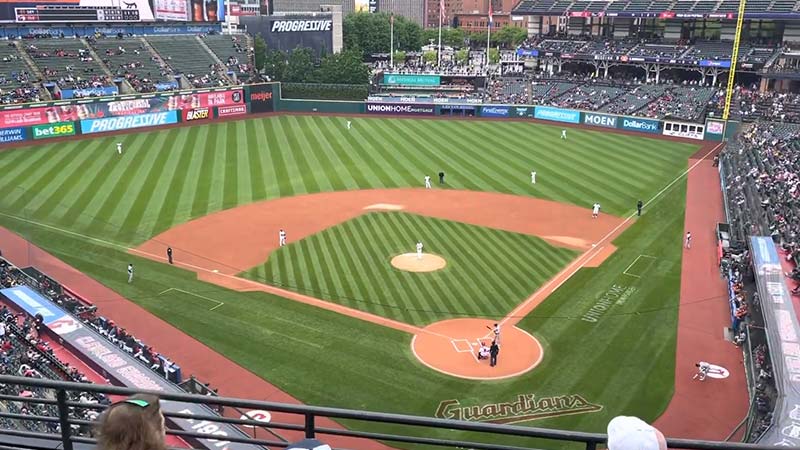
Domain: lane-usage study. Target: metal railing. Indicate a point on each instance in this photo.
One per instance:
(307, 423)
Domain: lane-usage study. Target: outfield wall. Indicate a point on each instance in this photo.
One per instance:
(58, 119)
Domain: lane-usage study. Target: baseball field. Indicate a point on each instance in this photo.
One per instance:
(588, 307)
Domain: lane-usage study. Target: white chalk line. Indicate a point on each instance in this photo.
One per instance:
(625, 272)
(218, 303)
(596, 247)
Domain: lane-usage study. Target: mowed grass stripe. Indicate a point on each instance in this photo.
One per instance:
(205, 176)
(377, 158)
(318, 158)
(354, 178)
(230, 185)
(255, 147)
(32, 184)
(244, 185)
(188, 194)
(275, 151)
(296, 160)
(326, 180)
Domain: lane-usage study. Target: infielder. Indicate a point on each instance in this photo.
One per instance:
(427, 182)
(349, 125)
(688, 239)
(533, 177)
(119, 148)
(130, 273)
(595, 210)
(564, 134)
(282, 237)
(419, 250)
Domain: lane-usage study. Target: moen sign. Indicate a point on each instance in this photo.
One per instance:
(283, 26)
(53, 130)
(524, 408)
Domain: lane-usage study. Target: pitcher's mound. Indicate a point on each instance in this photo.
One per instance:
(410, 263)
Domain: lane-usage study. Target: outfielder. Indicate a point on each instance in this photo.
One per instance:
(427, 182)
(533, 177)
(130, 273)
(349, 125)
(282, 237)
(564, 134)
(419, 250)
(119, 148)
(595, 210)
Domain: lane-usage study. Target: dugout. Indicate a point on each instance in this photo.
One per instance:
(456, 110)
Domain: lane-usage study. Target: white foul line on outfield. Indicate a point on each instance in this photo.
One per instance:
(625, 272)
(219, 303)
(596, 246)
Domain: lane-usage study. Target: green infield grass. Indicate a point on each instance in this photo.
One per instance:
(488, 272)
(620, 355)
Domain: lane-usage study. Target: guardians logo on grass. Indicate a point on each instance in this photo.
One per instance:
(526, 407)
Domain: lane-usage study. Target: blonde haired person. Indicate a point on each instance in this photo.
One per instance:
(132, 424)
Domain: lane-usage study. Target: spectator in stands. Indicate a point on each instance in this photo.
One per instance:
(632, 433)
(132, 424)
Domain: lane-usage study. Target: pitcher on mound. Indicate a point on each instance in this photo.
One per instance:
(419, 250)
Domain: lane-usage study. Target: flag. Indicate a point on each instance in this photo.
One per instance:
(391, 17)
(442, 12)
(490, 13)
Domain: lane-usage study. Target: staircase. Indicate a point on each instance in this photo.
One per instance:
(28, 60)
(223, 73)
(97, 58)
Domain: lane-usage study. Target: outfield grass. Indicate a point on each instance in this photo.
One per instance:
(488, 272)
(624, 361)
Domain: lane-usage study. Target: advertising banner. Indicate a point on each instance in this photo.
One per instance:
(105, 11)
(411, 80)
(522, 111)
(557, 114)
(90, 126)
(527, 53)
(715, 128)
(285, 33)
(395, 108)
(190, 115)
(8, 135)
(53, 130)
(714, 63)
(641, 125)
(228, 111)
(102, 91)
(600, 120)
(261, 98)
(495, 111)
(33, 303)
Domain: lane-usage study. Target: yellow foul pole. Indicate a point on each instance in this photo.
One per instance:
(734, 59)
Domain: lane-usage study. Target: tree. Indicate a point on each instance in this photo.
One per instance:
(274, 64)
(370, 33)
(343, 68)
(300, 67)
(430, 57)
(399, 57)
(260, 51)
(508, 36)
(462, 56)
(494, 55)
(431, 34)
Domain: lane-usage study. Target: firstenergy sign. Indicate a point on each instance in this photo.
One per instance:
(285, 26)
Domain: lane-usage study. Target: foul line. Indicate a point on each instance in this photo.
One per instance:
(219, 303)
(596, 247)
(625, 272)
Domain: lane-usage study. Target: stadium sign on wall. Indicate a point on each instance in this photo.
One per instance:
(90, 126)
(557, 114)
(53, 130)
(411, 80)
(12, 135)
(494, 111)
(600, 120)
(390, 108)
(524, 408)
(641, 125)
(196, 114)
(227, 111)
(261, 98)
(284, 26)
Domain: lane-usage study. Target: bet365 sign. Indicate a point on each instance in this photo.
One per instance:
(53, 130)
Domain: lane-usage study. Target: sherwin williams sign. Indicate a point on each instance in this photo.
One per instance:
(12, 135)
(123, 123)
(641, 125)
(599, 120)
(411, 80)
(494, 111)
(53, 130)
(557, 114)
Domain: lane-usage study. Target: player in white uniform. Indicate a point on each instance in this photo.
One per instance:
(595, 210)
(688, 239)
(533, 177)
(427, 182)
(564, 134)
(130, 273)
(419, 250)
(119, 148)
(702, 370)
(496, 332)
(349, 125)
(282, 237)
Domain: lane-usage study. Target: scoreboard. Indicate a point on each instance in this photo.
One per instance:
(75, 13)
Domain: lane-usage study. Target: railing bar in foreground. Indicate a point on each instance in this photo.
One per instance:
(231, 420)
(238, 440)
(29, 417)
(419, 440)
(17, 398)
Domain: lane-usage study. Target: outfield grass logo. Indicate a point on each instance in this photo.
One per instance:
(526, 407)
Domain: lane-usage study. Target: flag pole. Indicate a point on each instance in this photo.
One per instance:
(489, 33)
(441, 13)
(391, 40)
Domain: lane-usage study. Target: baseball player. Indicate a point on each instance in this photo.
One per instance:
(427, 182)
(349, 124)
(688, 239)
(595, 210)
(282, 237)
(496, 331)
(702, 370)
(533, 177)
(639, 206)
(419, 250)
(130, 273)
(169, 254)
(564, 134)
(119, 148)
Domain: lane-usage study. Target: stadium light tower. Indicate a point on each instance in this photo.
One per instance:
(734, 59)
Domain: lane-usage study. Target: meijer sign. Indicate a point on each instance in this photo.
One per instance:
(283, 26)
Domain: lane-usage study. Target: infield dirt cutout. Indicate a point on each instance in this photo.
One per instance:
(221, 245)
(410, 262)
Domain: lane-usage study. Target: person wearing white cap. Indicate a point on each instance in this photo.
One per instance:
(632, 433)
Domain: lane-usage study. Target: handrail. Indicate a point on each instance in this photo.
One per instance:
(311, 427)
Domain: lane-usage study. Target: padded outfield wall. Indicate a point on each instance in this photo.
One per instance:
(58, 119)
